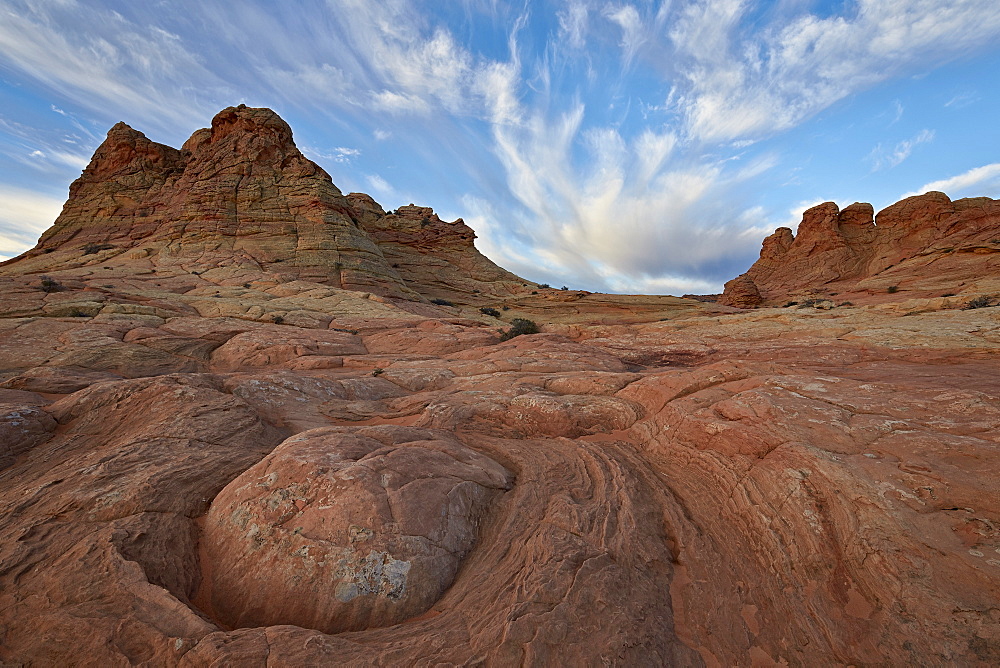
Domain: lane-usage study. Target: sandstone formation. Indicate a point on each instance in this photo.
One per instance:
(924, 246)
(240, 199)
(267, 465)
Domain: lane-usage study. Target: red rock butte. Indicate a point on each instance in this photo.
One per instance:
(248, 420)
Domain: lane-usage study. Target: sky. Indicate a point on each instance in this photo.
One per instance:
(636, 146)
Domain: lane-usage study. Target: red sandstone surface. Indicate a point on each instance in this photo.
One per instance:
(924, 246)
(212, 457)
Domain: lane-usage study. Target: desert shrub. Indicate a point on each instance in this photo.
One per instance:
(810, 303)
(505, 307)
(77, 313)
(50, 284)
(892, 289)
(948, 294)
(377, 371)
(544, 285)
(441, 302)
(278, 319)
(564, 288)
(339, 329)
(93, 249)
(846, 304)
(518, 327)
(789, 304)
(486, 310)
(979, 302)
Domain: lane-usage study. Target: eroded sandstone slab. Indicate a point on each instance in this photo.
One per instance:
(346, 529)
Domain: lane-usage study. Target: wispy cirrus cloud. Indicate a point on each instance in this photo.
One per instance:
(983, 180)
(887, 157)
(25, 214)
(104, 59)
(609, 143)
(740, 83)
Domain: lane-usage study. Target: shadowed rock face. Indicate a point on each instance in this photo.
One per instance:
(249, 466)
(925, 246)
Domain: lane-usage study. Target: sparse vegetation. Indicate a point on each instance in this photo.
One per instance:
(790, 304)
(979, 302)
(948, 294)
(892, 289)
(544, 285)
(348, 331)
(93, 249)
(564, 288)
(377, 371)
(441, 302)
(51, 285)
(492, 312)
(809, 303)
(278, 319)
(77, 313)
(505, 308)
(518, 327)
(846, 304)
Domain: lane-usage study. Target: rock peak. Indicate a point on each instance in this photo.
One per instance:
(240, 193)
(854, 252)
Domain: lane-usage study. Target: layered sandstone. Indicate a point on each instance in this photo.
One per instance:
(240, 198)
(247, 466)
(923, 246)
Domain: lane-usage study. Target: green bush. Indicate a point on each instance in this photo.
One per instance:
(441, 302)
(518, 327)
(492, 312)
(892, 289)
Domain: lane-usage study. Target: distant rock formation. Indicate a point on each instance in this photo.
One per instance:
(922, 246)
(241, 195)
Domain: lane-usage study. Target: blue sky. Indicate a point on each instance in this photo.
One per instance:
(618, 146)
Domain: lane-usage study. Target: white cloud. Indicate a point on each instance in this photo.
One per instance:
(104, 61)
(24, 215)
(627, 19)
(341, 154)
(573, 23)
(750, 83)
(881, 157)
(980, 181)
(380, 186)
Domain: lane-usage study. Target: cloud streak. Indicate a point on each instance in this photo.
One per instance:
(976, 181)
(603, 143)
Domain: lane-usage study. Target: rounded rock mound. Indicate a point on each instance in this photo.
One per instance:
(343, 529)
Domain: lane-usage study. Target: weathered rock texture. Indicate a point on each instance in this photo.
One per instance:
(202, 469)
(923, 246)
(239, 197)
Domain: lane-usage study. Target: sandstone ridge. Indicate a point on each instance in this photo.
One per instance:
(923, 246)
(240, 195)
